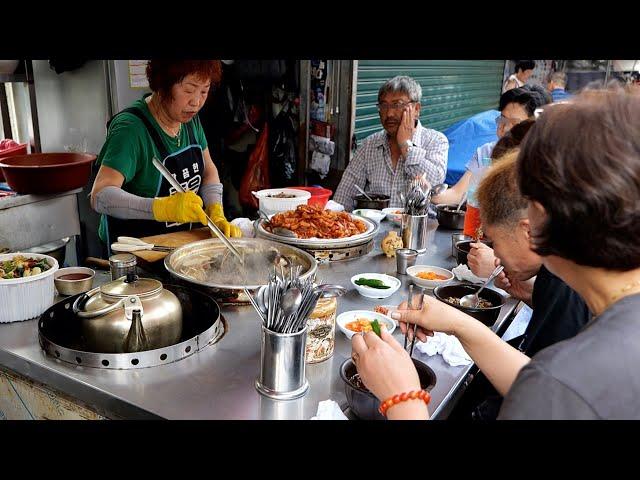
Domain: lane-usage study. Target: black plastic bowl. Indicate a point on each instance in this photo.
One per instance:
(379, 202)
(363, 403)
(488, 316)
(449, 218)
(464, 247)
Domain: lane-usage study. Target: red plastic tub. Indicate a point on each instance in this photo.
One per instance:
(20, 149)
(46, 173)
(319, 196)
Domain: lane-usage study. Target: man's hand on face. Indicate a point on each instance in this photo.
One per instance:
(406, 128)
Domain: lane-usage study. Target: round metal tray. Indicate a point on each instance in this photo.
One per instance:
(213, 246)
(60, 335)
(322, 243)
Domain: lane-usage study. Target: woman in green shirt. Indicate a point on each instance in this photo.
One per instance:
(129, 192)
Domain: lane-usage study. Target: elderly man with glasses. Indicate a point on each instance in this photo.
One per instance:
(404, 150)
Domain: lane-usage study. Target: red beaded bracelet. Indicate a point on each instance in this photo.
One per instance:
(403, 397)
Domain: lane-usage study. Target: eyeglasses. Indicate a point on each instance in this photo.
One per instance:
(385, 107)
(508, 122)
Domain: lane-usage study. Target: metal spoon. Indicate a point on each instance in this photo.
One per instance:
(472, 300)
(291, 301)
(464, 197)
(363, 192)
(437, 190)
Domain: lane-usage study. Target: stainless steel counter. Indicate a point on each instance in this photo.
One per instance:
(218, 382)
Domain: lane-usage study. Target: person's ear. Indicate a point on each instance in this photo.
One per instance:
(525, 227)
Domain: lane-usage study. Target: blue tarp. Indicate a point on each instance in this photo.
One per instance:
(464, 137)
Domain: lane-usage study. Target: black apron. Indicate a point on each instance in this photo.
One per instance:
(186, 165)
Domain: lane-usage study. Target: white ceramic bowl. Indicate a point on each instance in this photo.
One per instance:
(370, 292)
(371, 213)
(353, 315)
(421, 282)
(392, 216)
(28, 297)
(271, 205)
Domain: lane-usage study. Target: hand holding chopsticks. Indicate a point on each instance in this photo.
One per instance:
(212, 226)
(412, 304)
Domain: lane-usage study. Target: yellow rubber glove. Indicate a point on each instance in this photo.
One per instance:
(217, 216)
(181, 207)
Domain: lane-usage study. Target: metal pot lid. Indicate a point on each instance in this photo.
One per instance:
(135, 286)
(123, 259)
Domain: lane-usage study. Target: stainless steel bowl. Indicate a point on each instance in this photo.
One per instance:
(73, 287)
(55, 249)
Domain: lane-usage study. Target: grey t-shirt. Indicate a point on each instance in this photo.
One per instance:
(594, 375)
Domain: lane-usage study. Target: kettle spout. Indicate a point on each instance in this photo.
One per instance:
(136, 340)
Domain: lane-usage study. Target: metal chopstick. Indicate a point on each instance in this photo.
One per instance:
(415, 325)
(212, 226)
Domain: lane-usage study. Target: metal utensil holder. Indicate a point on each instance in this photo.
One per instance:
(415, 232)
(282, 365)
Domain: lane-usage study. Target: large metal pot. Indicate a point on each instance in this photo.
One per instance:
(129, 314)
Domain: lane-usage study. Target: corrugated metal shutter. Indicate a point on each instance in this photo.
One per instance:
(451, 89)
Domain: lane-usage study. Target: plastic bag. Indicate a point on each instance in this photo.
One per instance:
(256, 177)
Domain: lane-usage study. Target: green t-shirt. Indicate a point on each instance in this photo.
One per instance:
(129, 149)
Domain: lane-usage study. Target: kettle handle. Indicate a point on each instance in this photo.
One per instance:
(81, 301)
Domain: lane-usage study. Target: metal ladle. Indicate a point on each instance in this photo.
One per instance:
(437, 190)
(472, 300)
(284, 232)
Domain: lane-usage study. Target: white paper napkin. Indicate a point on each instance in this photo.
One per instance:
(329, 410)
(463, 272)
(446, 345)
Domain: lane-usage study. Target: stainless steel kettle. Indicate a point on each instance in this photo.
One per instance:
(130, 314)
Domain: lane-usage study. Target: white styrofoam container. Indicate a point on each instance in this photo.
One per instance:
(270, 205)
(28, 297)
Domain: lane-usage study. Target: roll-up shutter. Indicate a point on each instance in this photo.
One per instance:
(451, 89)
